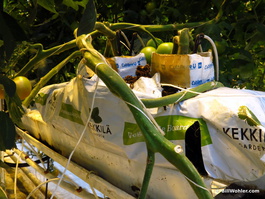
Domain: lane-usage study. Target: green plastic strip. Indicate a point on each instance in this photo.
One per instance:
(174, 126)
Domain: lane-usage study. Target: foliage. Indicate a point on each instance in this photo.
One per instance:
(29, 22)
(238, 29)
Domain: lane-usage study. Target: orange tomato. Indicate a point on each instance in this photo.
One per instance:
(23, 86)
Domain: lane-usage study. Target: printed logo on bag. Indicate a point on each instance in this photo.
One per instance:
(208, 66)
(250, 138)
(174, 126)
(134, 63)
(99, 129)
(95, 115)
(197, 82)
(199, 65)
(200, 81)
(69, 112)
(193, 66)
(41, 98)
(127, 65)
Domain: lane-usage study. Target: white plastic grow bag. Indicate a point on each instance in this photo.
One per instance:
(231, 122)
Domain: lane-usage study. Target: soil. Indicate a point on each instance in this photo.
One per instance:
(141, 71)
(144, 71)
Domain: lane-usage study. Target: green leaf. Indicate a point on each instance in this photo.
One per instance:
(246, 70)
(48, 5)
(7, 132)
(246, 114)
(261, 28)
(82, 3)
(88, 19)
(7, 36)
(15, 108)
(9, 85)
(75, 4)
(71, 4)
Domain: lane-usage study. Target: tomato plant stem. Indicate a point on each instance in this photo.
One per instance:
(155, 140)
(180, 96)
(42, 54)
(148, 173)
(47, 77)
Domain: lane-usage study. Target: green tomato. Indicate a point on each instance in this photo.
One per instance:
(152, 43)
(148, 50)
(165, 48)
(150, 6)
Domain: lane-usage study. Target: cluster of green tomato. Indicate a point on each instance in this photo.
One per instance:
(162, 48)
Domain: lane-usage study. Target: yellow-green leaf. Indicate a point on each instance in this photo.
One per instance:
(246, 114)
(48, 5)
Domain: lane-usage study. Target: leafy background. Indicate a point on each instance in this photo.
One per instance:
(239, 31)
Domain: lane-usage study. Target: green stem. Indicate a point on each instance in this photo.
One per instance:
(178, 159)
(108, 31)
(167, 27)
(148, 173)
(108, 52)
(42, 54)
(155, 28)
(43, 81)
(155, 141)
(175, 44)
(180, 96)
(219, 14)
(141, 28)
(110, 34)
(184, 43)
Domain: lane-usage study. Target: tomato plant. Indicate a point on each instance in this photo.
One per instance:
(239, 23)
(165, 48)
